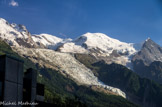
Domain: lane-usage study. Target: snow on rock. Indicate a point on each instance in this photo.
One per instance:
(103, 47)
(15, 35)
(7, 32)
(98, 41)
(50, 41)
(67, 64)
(46, 39)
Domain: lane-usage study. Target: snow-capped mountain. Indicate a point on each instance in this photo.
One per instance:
(15, 35)
(58, 54)
(46, 39)
(50, 41)
(34, 47)
(102, 47)
(18, 35)
(97, 44)
(97, 41)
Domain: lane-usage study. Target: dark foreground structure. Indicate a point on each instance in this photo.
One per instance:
(18, 88)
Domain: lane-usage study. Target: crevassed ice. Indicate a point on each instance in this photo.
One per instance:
(69, 65)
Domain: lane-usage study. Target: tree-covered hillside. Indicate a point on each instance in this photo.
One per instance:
(153, 71)
(139, 90)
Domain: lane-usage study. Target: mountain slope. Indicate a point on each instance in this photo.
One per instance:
(100, 41)
(149, 53)
(63, 92)
(147, 62)
(102, 47)
(67, 65)
(47, 40)
(139, 90)
(16, 35)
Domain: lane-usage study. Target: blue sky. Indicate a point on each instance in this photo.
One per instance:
(126, 20)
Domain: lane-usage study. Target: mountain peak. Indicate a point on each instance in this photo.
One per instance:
(15, 35)
(88, 33)
(97, 42)
(149, 43)
(3, 22)
(22, 27)
(97, 35)
(148, 40)
(150, 52)
(19, 27)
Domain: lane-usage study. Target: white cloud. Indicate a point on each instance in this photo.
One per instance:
(13, 3)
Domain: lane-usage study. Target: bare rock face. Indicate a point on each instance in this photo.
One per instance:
(147, 62)
(149, 53)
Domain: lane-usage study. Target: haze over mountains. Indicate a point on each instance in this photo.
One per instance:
(99, 50)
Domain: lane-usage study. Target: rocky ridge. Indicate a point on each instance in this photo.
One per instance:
(149, 53)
